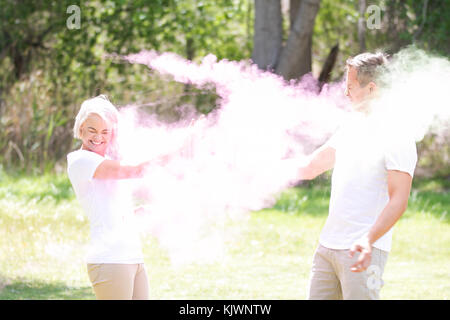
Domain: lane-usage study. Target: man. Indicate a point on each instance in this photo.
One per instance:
(371, 181)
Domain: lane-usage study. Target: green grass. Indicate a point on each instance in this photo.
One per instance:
(43, 235)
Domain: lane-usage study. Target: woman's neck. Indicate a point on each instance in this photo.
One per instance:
(83, 147)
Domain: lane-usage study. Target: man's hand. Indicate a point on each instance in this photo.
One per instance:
(399, 186)
(365, 248)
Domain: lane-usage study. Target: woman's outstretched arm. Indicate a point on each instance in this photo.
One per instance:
(112, 169)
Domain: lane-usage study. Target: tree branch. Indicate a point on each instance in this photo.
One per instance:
(424, 17)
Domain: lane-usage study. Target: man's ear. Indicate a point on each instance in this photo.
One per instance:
(372, 86)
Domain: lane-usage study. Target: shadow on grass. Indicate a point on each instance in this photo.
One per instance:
(37, 290)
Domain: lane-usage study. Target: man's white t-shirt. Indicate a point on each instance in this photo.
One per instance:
(108, 205)
(359, 190)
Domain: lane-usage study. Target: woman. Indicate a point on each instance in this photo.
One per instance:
(115, 261)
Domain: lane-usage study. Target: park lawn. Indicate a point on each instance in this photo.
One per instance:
(43, 236)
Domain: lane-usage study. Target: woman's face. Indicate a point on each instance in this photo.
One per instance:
(96, 134)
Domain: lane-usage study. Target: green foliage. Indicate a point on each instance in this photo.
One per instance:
(47, 70)
(335, 23)
(402, 23)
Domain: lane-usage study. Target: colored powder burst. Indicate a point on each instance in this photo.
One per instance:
(233, 161)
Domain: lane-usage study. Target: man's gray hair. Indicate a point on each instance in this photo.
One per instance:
(368, 66)
(99, 105)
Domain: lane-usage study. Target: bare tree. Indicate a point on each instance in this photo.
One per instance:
(294, 58)
(268, 33)
(362, 26)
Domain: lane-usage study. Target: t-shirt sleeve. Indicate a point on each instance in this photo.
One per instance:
(401, 155)
(82, 168)
(335, 139)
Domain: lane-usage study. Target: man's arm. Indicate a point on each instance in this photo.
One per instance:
(399, 187)
(320, 161)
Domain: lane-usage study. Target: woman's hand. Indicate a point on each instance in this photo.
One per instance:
(141, 211)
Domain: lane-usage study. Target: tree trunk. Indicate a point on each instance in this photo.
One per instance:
(422, 23)
(362, 26)
(190, 53)
(294, 6)
(397, 20)
(295, 58)
(190, 49)
(267, 39)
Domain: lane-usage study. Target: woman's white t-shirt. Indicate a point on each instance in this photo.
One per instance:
(108, 205)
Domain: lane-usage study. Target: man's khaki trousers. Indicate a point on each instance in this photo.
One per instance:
(331, 278)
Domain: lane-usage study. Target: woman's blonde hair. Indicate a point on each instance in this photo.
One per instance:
(99, 105)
